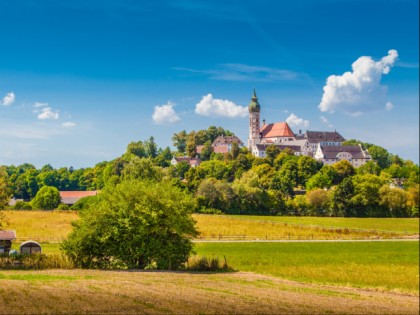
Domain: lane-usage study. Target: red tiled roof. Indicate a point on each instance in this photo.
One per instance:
(7, 235)
(279, 129)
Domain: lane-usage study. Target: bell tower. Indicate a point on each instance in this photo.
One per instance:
(254, 122)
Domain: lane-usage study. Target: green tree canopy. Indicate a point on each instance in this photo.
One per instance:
(4, 190)
(136, 224)
(47, 198)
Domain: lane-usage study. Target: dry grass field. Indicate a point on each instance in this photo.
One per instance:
(54, 226)
(136, 292)
(41, 226)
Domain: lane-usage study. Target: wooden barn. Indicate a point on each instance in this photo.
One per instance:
(6, 238)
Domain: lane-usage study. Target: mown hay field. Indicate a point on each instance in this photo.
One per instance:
(140, 292)
(54, 226)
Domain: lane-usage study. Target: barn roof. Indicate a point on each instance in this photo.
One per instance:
(71, 197)
(7, 235)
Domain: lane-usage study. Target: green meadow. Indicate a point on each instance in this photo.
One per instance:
(389, 266)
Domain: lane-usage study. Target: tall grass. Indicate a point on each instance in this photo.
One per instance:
(35, 261)
(382, 265)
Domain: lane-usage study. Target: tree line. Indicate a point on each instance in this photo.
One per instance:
(239, 183)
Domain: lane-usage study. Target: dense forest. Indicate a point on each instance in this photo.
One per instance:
(236, 182)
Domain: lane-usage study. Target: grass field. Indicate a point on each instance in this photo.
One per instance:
(390, 266)
(302, 277)
(139, 292)
(41, 226)
(386, 266)
(274, 227)
(393, 225)
(54, 226)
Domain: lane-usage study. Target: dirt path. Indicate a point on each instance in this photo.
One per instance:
(131, 292)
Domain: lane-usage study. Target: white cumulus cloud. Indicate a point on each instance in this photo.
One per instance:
(213, 107)
(165, 114)
(295, 121)
(9, 99)
(48, 113)
(360, 90)
(68, 124)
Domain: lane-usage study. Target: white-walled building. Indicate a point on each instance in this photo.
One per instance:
(330, 154)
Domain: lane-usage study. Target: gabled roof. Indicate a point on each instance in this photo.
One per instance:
(7, 235)
(278, 129)
(224, 140)
(324, 136)
(331, 151)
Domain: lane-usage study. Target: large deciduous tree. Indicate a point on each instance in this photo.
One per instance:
(136, 224)
(47, 198)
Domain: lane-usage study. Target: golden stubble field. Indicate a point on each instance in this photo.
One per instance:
(142, 292)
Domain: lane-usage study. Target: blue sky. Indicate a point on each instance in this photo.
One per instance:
(79, 79)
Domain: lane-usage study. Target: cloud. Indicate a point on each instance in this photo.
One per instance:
(243, 72)
(294, 121)
(211, 107)
(165, 114)
(389, 106)
(48, 113)
(360, 90)
(38, 104)
(68, 124)
(9, 99)
(326, 122)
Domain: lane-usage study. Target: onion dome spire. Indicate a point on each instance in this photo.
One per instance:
(253, 106)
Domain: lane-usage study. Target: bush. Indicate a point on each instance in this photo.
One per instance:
(84, 203)
(21, 205)
(63, 206)
(197, 263)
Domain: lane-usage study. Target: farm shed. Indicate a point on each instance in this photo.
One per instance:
(6, 238)
(30, 247)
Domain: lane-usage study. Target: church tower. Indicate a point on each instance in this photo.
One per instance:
(254, 122)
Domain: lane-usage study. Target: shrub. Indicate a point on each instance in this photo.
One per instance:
(197, 263)
(63, 206)
(21, 205)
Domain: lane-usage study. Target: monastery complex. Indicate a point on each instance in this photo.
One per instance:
(325, 146)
